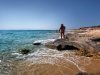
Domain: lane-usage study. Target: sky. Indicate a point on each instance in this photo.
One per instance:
(48, 14)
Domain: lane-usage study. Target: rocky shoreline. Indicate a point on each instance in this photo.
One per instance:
(83, 58)
(83, 42)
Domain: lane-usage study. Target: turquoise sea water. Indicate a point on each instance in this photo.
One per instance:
(12, 41)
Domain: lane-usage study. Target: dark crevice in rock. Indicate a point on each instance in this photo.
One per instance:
(96, 40)
(67, 47)
(82, 73)
(59, 47)
(70, 47)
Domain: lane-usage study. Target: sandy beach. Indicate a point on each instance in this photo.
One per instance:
(65, 68)
(86, 66)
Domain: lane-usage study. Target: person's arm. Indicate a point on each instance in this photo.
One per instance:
(59, 29)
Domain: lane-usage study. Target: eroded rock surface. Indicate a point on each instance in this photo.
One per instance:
(76, 41)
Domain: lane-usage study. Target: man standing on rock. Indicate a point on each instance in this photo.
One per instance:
(62, 31)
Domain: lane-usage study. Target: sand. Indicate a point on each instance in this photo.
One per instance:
(91, 67)
(28, 68)
(94, 33)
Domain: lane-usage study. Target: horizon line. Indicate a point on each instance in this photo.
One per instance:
(29, 29)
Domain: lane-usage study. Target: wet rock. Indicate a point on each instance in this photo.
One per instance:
(71, 37)
(59, 41)
(37, 43)
(62, 44)
(24, 51)
(50, 45)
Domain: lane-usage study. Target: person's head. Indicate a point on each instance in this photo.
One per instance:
(62, 24)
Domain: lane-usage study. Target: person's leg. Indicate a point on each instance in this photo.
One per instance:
(61, 35)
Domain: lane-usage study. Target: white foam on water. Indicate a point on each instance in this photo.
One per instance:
(51, 56)
(15, 53)
(0, 61)
(45, 54)
(44, 41)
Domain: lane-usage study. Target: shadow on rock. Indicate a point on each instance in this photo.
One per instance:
(66, 47)
(82, 73)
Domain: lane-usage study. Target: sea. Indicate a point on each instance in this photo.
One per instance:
(13, 41)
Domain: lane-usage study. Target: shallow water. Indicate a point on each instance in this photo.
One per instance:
(12, 41)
